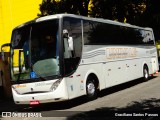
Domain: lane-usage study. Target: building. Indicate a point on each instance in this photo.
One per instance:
(14, 13)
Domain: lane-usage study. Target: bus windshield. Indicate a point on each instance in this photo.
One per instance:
(35, 51)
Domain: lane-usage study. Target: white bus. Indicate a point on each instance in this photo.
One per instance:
(64, 56)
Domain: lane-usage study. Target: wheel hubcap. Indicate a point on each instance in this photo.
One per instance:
(90, 88)
(145, 73)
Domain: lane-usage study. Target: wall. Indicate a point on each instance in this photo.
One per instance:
(14, 13)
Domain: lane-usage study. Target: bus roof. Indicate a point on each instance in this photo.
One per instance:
(49, 17)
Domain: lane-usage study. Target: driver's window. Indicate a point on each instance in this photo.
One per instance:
(72, 42)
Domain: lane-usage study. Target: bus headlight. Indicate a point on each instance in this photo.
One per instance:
(55, 85)
(15, 90)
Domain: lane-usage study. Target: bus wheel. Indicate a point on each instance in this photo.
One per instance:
(145, 73)
(91, 89)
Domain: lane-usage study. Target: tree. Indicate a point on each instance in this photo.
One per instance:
(111, 9)
(139, 12)
(49, 7)
(151, 17)
(119, 10)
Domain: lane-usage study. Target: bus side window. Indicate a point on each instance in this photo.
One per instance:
(72, 42)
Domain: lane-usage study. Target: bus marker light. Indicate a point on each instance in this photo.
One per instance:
(78, 75)
(70, 76)
(34, 102)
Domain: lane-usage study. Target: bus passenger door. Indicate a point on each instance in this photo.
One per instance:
(72, 51)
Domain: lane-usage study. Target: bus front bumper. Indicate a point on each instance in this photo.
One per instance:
(38, 98)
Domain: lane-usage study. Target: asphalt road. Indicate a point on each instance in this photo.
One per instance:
(136, 99)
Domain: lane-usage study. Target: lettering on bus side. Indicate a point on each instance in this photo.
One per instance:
(118, 53)
(42, 84)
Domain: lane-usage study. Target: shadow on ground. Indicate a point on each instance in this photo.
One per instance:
(142, 109)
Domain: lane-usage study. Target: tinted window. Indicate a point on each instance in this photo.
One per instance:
(72, 42)
(106, 34)
(44, 48)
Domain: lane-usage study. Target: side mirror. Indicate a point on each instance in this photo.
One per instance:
(2, 51)
(2, 56)
(70, 43)
(20, 61)
(69, 40)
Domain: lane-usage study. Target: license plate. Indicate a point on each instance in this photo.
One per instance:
(36, 102)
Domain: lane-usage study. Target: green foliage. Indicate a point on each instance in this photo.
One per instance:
(110, 9)
(144, 13)
(119, 10)
(49, 7)
(151, 17)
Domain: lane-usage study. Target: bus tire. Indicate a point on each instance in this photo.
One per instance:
(91, 88)
(145, 73)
